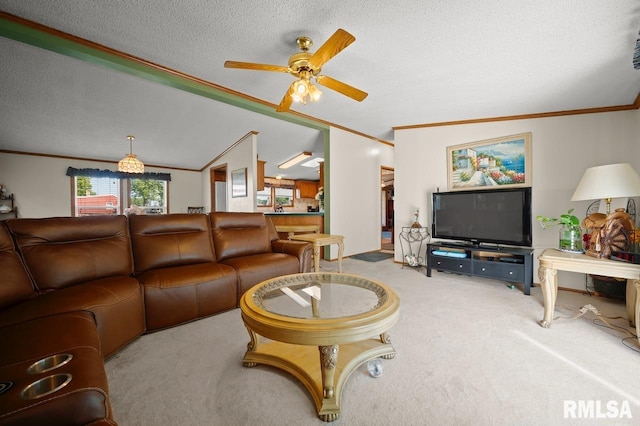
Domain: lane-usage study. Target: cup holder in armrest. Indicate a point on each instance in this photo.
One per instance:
(45, 386)
(49, 363)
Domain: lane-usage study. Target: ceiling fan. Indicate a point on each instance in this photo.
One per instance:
(305, 66)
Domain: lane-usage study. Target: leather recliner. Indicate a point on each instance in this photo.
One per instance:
(249, 243)
(80, 263)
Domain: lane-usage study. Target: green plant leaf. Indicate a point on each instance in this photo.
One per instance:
(564, 219)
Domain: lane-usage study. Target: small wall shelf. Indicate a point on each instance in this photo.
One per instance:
(8, 201)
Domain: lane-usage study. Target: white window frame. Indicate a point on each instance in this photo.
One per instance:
(266, 192)
(291, 196)
(121, 190)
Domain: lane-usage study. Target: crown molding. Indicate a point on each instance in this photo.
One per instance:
(634, 105)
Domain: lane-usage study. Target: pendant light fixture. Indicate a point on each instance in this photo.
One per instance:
(130, 164)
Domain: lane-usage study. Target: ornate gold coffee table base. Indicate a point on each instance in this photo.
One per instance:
(322, 370)
(325, 327)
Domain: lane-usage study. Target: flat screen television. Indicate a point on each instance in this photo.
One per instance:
(494, 216)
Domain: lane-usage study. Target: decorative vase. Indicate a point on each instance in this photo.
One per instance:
(571, 238)
(415, 223)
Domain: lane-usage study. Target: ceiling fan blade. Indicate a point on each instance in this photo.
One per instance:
(336, 43)
(287, 100)
(256, 67)
(341, 87)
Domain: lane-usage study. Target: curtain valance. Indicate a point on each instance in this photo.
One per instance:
(71, 171)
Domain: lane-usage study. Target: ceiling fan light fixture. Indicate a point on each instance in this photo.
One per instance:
(130, 164)
(301, 88)
(314, 93)
(300, 91)
(295, 160)
(305, 91)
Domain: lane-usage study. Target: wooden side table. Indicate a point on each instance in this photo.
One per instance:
(320, 240)
(292, 229)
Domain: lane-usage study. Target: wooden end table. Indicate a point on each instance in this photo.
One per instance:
(320, 240)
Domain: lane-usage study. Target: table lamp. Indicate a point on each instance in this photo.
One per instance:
(607, 182)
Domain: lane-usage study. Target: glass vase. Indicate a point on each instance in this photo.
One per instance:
(571, 238)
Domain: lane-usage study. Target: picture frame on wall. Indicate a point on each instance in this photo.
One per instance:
(239, 183)
(503, 162)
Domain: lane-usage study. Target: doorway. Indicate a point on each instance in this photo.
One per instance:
(218, 183)
(387, 235)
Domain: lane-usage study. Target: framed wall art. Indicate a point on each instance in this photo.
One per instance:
(239, 183)
(492, 163)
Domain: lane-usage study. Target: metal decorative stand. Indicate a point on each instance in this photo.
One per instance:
(411, 243)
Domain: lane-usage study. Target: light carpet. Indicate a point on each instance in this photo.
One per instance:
(469, 352)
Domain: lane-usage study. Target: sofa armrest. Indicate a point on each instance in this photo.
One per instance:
(300, 249)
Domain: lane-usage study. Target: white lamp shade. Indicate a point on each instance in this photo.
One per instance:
(610, 181)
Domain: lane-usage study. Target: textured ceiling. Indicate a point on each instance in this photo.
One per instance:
(421, 61)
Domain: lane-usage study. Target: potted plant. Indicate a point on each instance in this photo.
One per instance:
(570, 230)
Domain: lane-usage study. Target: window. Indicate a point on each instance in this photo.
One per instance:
(284, 196)
(97, 196)
(149, 195)
(273, 195)
(102, 192)
(263, 198)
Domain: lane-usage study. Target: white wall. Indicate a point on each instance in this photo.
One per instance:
(42, 188)
(562, 148)
(354, 190)
(243, 154)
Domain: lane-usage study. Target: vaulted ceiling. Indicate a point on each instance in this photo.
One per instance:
(421, 62)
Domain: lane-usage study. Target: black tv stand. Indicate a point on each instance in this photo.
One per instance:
(511, 264)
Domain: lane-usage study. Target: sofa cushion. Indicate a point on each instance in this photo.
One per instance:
(15, 285)
(239, 234)
(60, 252)
(180, 294)
(254, 269)
(161, 241)
(115, 302)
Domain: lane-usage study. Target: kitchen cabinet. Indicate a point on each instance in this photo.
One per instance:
(308, 189)
(260, 175)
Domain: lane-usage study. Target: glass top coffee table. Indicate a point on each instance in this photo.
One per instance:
(319, 327)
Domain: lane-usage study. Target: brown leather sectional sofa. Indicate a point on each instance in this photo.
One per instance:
(73, 291)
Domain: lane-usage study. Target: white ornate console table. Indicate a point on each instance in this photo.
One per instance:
(553, 260)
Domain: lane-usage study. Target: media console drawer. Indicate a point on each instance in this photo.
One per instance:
(500, 270)
(451, 264)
